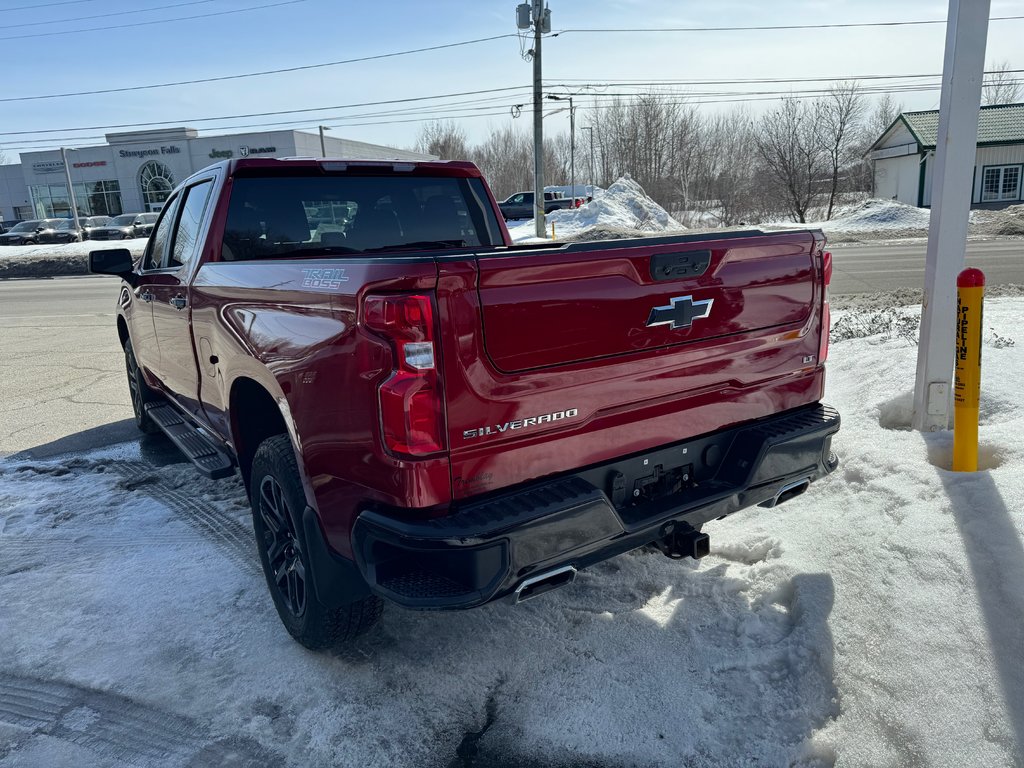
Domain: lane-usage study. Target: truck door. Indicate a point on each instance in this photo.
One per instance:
(172, 314)
(139, 314)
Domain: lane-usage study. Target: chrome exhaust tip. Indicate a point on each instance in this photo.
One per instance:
(787, 492)
(545, 582)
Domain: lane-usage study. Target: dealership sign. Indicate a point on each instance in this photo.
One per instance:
(89, 164)
(150, 152)
(48, 166)
(245, 151)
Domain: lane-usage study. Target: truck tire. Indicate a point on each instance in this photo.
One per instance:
(139, 391)
(277, 501)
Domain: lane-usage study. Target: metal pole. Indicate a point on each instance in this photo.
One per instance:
(956, 150)
(323, 148)
(572, 151)
(589, 128)
(71, 190)
(538, 124)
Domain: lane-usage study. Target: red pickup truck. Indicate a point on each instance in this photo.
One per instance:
(425, 413)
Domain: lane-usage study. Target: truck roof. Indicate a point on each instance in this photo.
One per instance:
(451, 168)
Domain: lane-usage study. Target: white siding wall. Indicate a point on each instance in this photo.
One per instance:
(898, 177)
(899, 135)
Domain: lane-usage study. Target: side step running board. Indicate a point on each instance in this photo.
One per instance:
(199, 449)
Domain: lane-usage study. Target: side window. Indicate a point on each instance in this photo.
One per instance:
(158, 240)
(185, 244)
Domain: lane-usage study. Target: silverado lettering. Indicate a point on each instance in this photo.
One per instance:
(351, 338)
(532, 421)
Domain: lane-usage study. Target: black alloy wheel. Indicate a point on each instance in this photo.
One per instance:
(278, 504)
(282, 548)
(139, 391)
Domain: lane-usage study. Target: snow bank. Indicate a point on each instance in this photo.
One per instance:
(60, 259)
(877, 620)
(876, 219)
(623, 206)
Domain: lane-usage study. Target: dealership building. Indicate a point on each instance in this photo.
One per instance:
(136, 171)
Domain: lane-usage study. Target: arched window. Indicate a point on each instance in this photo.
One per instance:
(157, 183)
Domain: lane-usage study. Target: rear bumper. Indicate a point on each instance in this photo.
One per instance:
(488, 547)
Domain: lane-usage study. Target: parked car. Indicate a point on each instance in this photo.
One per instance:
(424, 412)
(520, 205)
(65, 232)
(27, 232)
(126, 226)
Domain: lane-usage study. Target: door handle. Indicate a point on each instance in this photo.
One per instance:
(146, 296)
(178, 302)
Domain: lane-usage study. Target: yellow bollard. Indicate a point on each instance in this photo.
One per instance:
(552, 230)
(970, 295)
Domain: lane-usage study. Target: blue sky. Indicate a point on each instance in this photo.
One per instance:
(314, 31)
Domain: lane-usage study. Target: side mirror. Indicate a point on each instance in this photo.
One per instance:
(113, 261)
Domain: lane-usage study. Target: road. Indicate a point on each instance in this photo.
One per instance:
(61, 366)
(869, 268)
(62, 372)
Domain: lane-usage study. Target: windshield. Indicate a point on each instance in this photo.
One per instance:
(122, 221)
(25, 226)
(278, 216)
(66, 224)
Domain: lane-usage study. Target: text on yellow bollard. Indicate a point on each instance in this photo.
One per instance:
(970, 295)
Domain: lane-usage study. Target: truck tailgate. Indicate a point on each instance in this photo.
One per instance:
(556, 308)
(598, 350)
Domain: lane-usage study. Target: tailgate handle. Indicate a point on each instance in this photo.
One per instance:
(676, 266)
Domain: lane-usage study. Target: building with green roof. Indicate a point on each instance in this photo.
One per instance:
(904, 155)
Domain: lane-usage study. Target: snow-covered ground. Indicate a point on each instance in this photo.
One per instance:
(624, 206)
(877, 620)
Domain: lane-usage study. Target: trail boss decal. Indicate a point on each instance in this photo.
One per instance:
(532, 421)
(324, 278)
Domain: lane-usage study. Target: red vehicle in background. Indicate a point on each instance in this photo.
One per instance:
(425, 413)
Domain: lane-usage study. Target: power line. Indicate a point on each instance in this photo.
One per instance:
(261, 73)
(486, 106)
(150, 23)
(770, 27)
(262, 114)
(44, 5)
(93, 16)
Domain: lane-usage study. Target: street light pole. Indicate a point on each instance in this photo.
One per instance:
(71, 190)
(590, 128)
(323, 146)
(572, 141)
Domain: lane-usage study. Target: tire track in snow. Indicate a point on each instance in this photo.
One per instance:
(117, 727)
(232, 538)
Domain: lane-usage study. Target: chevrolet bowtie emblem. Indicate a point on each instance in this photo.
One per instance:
(680, 312)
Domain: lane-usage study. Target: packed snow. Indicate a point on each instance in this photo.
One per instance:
(877, 620)
(624, 207)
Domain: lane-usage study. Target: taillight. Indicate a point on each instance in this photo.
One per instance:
(410, 400)
(826, 314)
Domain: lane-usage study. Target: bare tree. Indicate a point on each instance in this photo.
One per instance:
(1002, 86)
(839, 125)
(444, 139)
(790, 149)
(881, 117)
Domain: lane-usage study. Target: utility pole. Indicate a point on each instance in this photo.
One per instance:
(323, 146)
(541, 24)
(956, 149)
(71, 190)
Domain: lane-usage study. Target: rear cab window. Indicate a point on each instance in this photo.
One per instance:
(316, 213)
